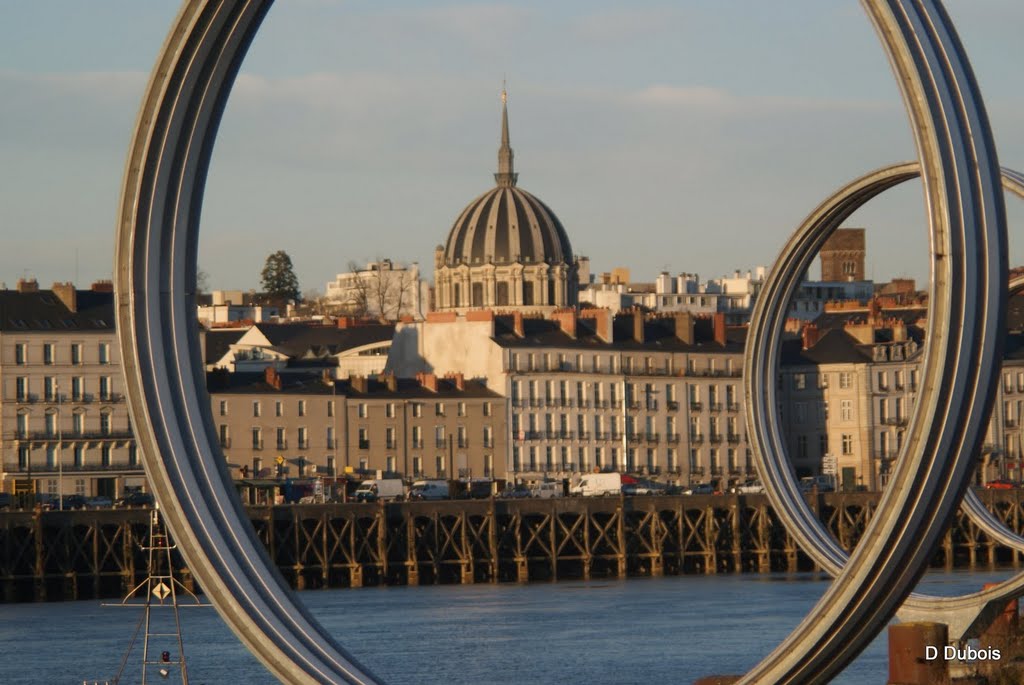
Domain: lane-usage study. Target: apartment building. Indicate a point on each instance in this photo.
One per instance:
(63, 417)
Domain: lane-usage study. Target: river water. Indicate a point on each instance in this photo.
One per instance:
(643, 630)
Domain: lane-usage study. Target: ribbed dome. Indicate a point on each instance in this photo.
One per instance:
(506, 225)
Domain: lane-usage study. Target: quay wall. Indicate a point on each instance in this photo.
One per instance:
(48, 556)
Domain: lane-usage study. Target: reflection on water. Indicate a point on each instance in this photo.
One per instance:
(637, 631)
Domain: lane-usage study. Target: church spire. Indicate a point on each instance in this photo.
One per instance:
(506, 175)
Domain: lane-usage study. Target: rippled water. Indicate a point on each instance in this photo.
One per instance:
(661, 630)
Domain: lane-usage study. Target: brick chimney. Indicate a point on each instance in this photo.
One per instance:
(67, 294)
(28, 285)
(566, 319)
(102, 286)
(602, 322)
(810, 336)
(684, 327)
(457, 379)
(358, 383)
(720, 336)
(428, 381)
(638, 326)
(272, 377)
(517, 324)
(391, 381)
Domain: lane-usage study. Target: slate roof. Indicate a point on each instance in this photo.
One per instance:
(219, 341)
(247, 383)
(43, 311)
(314, 341)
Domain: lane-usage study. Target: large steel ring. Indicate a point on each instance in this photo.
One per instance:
(966, 614)
(158, 225)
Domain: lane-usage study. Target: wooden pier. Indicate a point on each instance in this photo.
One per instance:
(47, 556)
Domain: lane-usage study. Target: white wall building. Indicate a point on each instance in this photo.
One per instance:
(384, 290)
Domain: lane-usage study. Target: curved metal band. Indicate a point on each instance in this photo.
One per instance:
(156, 322)
(964, 614)
(155, 279)
(967, 295)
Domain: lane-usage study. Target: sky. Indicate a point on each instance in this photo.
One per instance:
(690, 136)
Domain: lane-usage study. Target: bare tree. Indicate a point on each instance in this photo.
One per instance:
(379, 291)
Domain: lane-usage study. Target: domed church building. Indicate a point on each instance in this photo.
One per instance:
(507, 250)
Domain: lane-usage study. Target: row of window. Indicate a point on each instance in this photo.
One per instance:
(50, 355)
(52, 420)
(362, 408)
(53, 392)
(613, 363)
(81, 457)
(647, 394)
(800, 380)
(584, 459)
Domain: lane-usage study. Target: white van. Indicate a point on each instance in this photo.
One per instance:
(429, 490)
(596, 484)
(546, 490)
(380, 489)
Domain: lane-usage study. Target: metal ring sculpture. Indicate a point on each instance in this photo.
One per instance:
(157, 234)
(964, 615)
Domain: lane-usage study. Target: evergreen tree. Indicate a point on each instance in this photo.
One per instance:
(278, 277)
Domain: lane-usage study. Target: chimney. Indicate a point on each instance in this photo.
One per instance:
(684, 327)
(899, 331)
(810, 336)
(67, 294)
(566, 319)
(457, 379)
(272, 377)
(720, 336)
(102, 286)
(391, 381)
(428, 381)
(638, 326)
(358, 383)
(28, 285)
(517, 324)
(602, 322)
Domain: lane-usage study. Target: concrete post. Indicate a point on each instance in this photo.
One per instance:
(908, 664)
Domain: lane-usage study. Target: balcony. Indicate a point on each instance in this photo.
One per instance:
(601, 436)
(696, 439)
(43, 467)
(652, 437)
(716, 438)
(715, 406)
(733, 438)
(672, 438)
(417, 444)
(633, 438)
(69, 436)
(632, 405)
(733, 406)
(282, 444)
(652, 405)
(583, 435)
(461, 443)
(257, 444)
(225, 442)
(437, 443)
(716, 470)
(365, 444)
(673, 405)
(696, 406)
(696, 470)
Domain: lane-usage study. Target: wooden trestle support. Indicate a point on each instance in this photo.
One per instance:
(85, 554)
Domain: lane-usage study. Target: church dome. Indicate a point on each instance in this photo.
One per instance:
(507, 225)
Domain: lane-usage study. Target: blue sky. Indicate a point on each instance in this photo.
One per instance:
(689, 136)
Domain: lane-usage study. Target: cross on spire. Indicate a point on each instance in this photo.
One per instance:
(506, 176)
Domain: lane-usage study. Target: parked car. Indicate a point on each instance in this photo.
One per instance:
(429, 490)
(99, 502)
(71, 502)
(1001, 484)
(136, 499)
(822, 483)
(699, 489)
(380, 489)
(547, 490)
(750, 487)
(517, 492)
(6, 500)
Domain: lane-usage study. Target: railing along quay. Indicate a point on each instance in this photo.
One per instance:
(54, 555)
